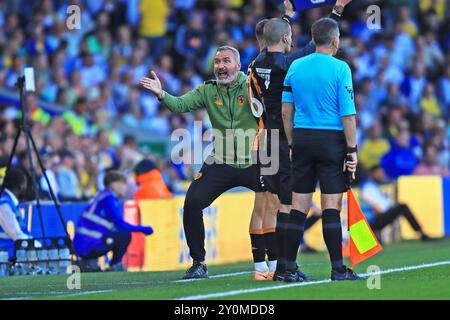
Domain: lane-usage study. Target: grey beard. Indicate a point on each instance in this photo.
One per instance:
(231, 78)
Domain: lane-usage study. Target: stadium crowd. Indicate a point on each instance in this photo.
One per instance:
(401, 76)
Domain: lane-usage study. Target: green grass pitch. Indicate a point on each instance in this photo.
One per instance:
(428, 277)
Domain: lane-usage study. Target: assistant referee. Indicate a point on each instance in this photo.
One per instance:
(322, 134)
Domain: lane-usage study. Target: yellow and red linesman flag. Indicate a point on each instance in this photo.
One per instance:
(363, 242)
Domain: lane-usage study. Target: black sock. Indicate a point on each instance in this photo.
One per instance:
(294, 235)
(332, 234)
(271, 245)
(280, 234)
(258, 247)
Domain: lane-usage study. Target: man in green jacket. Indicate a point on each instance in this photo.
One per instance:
(234, 129)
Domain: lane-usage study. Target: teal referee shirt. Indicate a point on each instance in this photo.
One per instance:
(321, 89)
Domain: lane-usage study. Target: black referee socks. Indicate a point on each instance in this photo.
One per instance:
(280, 231)
(294, 235)
(332, 234)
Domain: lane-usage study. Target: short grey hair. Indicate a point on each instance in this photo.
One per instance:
(229, 48)
(275, 29)
(259, 30)
(323, 31)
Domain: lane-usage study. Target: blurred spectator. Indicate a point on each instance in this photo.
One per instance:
(76, 118)
(87, 172)
(124, 46)
(91, 74)
(106, 157)
(444, 89)
(379, 210)
(441, 139)
(368, 97)
(67, 177)
(12, 225)
(414, 85)
(166, 75)
(150, 181)
(394, 97)
(14, 72)
(128, 154)
(24, 165)
(429, 102)
(429, 165)
(136, 67)
(408, 24)
(191, 39)
(50, 163)
(153, 24)
(425, 128)
(379, 89)
(400, 160)
(437, 6)
(430, 48)
(374, 147)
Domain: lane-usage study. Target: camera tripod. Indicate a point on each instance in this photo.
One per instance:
(30, 146)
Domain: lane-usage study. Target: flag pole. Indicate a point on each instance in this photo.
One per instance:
(349, 188)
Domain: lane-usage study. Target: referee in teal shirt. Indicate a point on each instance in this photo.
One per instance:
(319, 118)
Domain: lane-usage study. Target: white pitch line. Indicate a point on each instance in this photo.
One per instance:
(64, 293)
(87, 292)
(224, 275)
(55, 293)
(302, 284)
(215, 276)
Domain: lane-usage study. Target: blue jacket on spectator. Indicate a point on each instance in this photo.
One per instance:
(102, 217)
(9, 205)
(399, 161)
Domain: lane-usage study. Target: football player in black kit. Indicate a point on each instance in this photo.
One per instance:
(265, 80)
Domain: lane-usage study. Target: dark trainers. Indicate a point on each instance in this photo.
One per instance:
(292, 276)
(197, 271)
(303, 275)
(295, 276)
(88, 265)
(278, 276)
(348, 274)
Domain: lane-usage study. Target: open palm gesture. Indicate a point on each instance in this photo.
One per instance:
(153, 84)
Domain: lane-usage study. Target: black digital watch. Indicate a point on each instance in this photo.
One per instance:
(338, 10)
(352, 149)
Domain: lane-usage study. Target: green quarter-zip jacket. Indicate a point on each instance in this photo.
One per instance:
(234, 125)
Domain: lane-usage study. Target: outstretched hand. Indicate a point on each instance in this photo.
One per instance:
(147, 230)
(153, 84)
(288, 8)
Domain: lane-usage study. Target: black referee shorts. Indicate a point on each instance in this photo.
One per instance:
(318, 155)
(281, 182)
